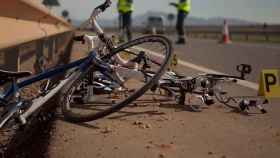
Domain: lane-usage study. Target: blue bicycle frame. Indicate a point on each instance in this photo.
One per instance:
(83, 65)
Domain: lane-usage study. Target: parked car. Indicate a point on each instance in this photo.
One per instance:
(155, 24)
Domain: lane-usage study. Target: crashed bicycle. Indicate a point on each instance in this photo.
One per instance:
(78, 95)
(207, 89)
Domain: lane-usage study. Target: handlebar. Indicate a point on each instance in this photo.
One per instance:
(104, 6)
(98, 10)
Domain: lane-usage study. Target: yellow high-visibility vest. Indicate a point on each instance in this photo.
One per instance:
(125, 6)
(184, 6)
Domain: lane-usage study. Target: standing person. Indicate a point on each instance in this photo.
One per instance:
(183, 8)
(125, 8)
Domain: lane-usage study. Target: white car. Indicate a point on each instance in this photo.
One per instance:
(155, 25)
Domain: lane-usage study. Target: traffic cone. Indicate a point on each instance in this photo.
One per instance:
(225, 38)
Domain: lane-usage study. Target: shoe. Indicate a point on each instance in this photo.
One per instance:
(181, 41)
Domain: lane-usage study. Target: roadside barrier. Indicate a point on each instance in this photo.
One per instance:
(250, 32)
(31, 39)
(30, 36)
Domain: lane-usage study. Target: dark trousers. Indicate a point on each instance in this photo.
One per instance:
(180, 24)
(125, 24)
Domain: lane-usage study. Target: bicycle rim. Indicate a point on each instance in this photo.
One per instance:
(224, 95)
(101, 102)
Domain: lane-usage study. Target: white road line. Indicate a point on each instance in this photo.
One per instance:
(243, 83)
(253, 45)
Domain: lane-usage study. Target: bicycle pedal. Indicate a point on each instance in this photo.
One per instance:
(263, 111)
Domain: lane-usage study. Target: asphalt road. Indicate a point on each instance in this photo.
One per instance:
(224, 58)
(170, 131)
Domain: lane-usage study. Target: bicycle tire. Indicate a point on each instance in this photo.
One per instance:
(227, 101)
(76, 118)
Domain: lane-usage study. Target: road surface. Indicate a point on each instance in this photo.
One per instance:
(224, 58)
(168, 130)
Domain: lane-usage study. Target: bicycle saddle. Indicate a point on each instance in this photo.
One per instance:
(6, 76)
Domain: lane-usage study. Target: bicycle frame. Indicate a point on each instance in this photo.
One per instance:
(83, 64)
(204, 85)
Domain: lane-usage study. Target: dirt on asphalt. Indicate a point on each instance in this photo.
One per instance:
(170, 131)
(166, 130)
(163, 130)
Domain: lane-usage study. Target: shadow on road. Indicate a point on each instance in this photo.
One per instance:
(36, 146)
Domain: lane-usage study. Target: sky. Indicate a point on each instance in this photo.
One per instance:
(252, 10)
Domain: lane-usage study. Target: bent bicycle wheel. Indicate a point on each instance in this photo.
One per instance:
(224, 93)
(94, 95)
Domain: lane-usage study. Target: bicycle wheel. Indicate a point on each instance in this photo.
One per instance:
(224, 94)
(94, 96)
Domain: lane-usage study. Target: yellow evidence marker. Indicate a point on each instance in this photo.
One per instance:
(173, 63)
(269, 84)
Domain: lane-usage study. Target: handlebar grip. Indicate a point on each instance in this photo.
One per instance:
(104, 6)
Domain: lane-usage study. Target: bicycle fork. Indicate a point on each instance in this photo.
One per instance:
(13, 108)
(10, 112)
(39, 102)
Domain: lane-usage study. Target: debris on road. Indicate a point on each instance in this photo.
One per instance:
(165, 146)
(142, 125)
(161, 155)
(210, 153)
(148, 147)
(107, 130)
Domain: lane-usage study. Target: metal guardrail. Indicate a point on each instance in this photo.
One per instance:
(30, 33)
(31, 39)
(251, 32)
(267, 33)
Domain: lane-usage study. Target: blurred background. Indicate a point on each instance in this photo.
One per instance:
(204, 12)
